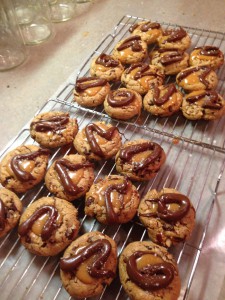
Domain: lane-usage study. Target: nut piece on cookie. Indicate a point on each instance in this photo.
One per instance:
(197, 78)
(70, 177)
(98, 141)
(168, 216)
(107, 67)
(23, 168)
(147, 30)
(132, 49)
(203, 104)
(10, 211)
(163, 100)
(148, 271)
(112, 200)
(140, 160)
(48, 226)
(176, 38)
(172, 61)
(140, 76)
(123, 104)
(91, 91)
(89, 264)
(53, 129)
(207, 56)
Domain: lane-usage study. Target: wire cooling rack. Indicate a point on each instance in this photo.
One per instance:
(194, 166)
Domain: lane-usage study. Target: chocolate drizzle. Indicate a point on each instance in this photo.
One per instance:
(15, 163)
(106, 61)
(175, 35)
(2, 215)
(151, 277)
(62, 166)
(49, 226)
(171, 57)
(128, 152)
(144, 70)
(101, 249)
(133, 42)
(211, 100)
(209, 50)
(85, 83)
(170, 90)
(148, 26)
(205, 70)
(106, 134)
(120, 98)
(53, 124)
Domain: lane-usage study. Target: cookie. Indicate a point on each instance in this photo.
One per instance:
(98, 141)
(10, 211)
(163, 100)
(53, 129)
(147, 30)
(203, 104)
(168, 216)
(176, 38)
(112, 200)
(131, 50)
(48, 226)
(70, 177)
(197, 78)
(172, 61)
(107, 67)
(88, 265)
(207, 56)
(23, 168)
(123, 104)
(91, 91)
(140, 76)
(140, 160)
(147, 272)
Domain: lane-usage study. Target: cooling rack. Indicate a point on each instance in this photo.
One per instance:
(194, 166)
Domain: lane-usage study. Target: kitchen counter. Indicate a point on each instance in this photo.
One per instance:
(26, 88)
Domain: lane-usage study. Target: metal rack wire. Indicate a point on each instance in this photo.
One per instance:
(195, 152)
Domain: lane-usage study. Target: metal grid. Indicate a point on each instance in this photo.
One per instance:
(195, 162)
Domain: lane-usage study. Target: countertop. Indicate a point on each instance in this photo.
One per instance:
(26, 88)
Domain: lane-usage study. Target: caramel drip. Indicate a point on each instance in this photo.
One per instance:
(85, 83)
(175, 35)
(209, 50)
(2, 215)
(210, 101)
(151, 277)
(127, 153)
(53, 124)
(172, 57)
(49, 226)
(145, 27)
(171, 89)
(202, 77)
(62, 166)
(144, 70)
(120, 188)
(120, 98)
(100, 248)
(15, 163)
(107, 134)
(133, 42)
(106, 61)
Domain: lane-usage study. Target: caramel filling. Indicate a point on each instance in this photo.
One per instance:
(93, 91)
(39, 224)
(147, 259)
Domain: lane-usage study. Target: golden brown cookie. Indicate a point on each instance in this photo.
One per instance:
(10, 211)
(148, 272)
(91, 91)
(140, 76)
(176, 38)
(98, 141)
(140, 160)
(147, 30)
(132, 49)
(168, 216)
(123, 104)
(23, 168)
(89, 264)
(107, 67)
(53, 129)
(48, 226)
(207, 56)
(172, 61)
(112, 200)
(163, 100)
(70, 177)
(197, 78)
(203, 104)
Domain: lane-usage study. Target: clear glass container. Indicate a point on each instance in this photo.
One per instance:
(62, 10)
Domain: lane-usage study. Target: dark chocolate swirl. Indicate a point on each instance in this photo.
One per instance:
(107, 61)
(205, 70)
(171, 57)
(120, 98)
(149, 25)
(211, 100)
(85, 83)
(53, 123)
(170, 90)
(143, 70)
(2, 215)
(209, 50)
(175, 35)
(132, 42)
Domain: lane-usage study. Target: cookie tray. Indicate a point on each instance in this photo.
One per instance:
(195, 163)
